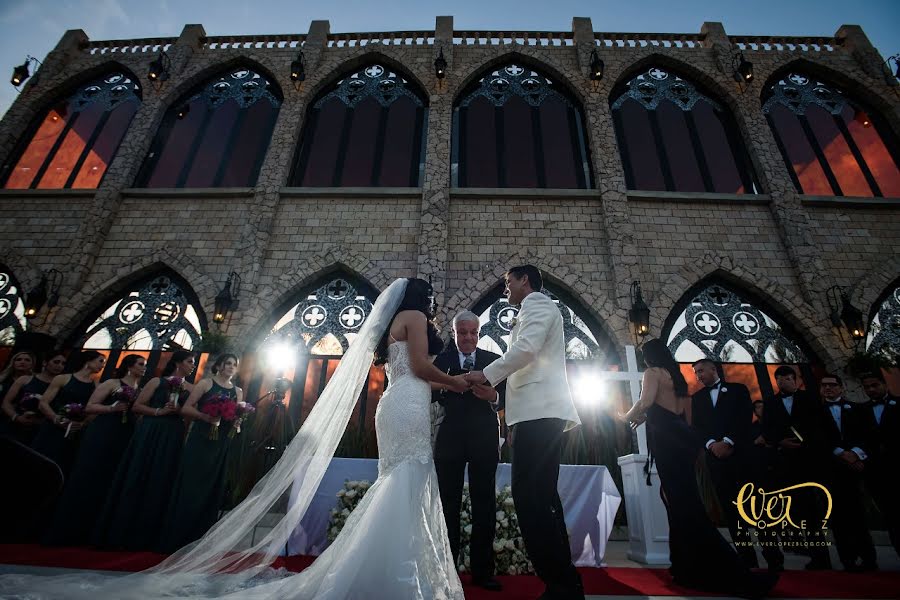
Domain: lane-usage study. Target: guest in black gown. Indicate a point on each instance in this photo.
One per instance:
(102, 446)
(135, 509)
(75, 388)
(701, 558)
(20, 365)
(22, 421)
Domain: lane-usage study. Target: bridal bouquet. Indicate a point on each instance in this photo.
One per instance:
(509, 549)
(176, 389)
(243, 411)
(222, 406)
(127, 395)
(28, 403)
(73, 412)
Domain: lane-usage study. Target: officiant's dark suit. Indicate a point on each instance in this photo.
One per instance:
(469, 434)
(721, 412)
(797, 461)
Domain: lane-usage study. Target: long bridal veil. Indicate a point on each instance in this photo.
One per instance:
(214, 565)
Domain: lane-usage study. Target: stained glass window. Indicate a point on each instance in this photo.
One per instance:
(160, 313)
(12, 308)
(75, 141)
(884, 330)
(517, 128)
(215, 136)
(721, 324)
(366, 130)
(674, 137)
(832, 145)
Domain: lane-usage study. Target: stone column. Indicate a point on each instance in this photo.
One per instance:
(101, 213)
(435, 214)
(609, 176)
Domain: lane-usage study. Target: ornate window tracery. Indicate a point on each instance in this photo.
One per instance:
(674, 137)
(884, 330)
(831, 144)
(12, 308)
(156, 314)
(515, 127)
(76, 139)
(216, 136)
(367, 130)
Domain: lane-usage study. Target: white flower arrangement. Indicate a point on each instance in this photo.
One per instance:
(509, 549)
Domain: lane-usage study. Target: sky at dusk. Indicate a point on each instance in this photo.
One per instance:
(35, 26)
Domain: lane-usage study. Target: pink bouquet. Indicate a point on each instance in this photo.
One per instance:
(73, 412)
(221, 406)
(128, 395)
(176, 389)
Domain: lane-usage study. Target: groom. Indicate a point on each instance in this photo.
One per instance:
(539, 409)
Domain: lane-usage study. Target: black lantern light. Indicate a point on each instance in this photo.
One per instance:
(742, 69)
(227, 299)
(597, 66)
(23, 71)
(298, 69)
(159, 68)
(896, 60)
(844, 313)
(440, 65)
(182, 111)
(45, 292)
(639, 314)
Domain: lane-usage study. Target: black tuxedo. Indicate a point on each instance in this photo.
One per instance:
(469, 433)
(731, 417)
(884, 455)
(799, 465)
(851, 535)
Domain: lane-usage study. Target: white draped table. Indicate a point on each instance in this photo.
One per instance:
(589, 498)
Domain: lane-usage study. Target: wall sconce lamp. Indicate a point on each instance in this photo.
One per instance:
(227, 299)
(639, 314)
(597, 66)
(182, 111)
(298, 70)
(45, 292)
(741, 69)
(896, 60)
(440, 65)
(23, 72)
(159, 69)
(844, 313)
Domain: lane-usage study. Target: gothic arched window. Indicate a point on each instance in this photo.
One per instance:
(674, 137)
(517, 128)
(215, 136)
(159, 313)
(12, 308)
(366, 130)
(884, 330)
(306, 345)
(832, 145)
(727, 327)
(74, 142)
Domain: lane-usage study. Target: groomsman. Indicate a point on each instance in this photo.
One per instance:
(722, 414)
(881, 468)
(469, 434)
(792, 425)
(846, 428)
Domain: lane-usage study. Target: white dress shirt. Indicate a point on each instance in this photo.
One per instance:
(788, 402)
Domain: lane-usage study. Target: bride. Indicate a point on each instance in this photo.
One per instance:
(394, 545)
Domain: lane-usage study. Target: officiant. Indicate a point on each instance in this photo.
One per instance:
(469, 435)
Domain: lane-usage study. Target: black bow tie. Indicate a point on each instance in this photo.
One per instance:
(833, 402)
(714, 387)
(877, 402)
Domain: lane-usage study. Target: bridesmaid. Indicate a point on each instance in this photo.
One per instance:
(200, 485)
(135, 508)
(20, 365)
(103, 444)
(23, 421)
(74, 388)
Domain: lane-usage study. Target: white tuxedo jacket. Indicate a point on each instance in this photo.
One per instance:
(535, 365)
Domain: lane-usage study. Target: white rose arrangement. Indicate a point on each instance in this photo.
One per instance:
(509, 549)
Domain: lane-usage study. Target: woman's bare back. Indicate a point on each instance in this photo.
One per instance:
(665, 391)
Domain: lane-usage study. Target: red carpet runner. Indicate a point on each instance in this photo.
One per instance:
(618, 581)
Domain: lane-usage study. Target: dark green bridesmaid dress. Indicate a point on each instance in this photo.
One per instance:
(50, 439)
(200, 484)
(135, 508)
(22, 433)
(104, 442)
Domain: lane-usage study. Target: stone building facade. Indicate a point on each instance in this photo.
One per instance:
(781, 247)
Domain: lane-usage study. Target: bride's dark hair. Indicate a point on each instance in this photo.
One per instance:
(656, 354)
(419, 295)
